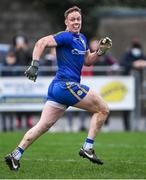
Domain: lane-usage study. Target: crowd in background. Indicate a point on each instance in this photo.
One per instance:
(18, 55)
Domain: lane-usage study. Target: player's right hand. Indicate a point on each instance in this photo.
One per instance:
(32, 72)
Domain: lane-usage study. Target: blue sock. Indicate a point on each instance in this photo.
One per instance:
(88, 144)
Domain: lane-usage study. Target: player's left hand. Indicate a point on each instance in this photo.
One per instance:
(104, 45)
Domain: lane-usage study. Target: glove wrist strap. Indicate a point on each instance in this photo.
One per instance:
(35, 63)
(99, 52)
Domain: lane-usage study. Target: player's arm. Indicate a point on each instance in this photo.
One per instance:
(41, 44)
(103, 45)
(90, 58)
(39, 47)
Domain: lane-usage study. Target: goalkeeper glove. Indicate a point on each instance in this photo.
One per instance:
(104, 45)
(32, 72)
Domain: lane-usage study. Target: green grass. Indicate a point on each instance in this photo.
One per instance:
(55, 156)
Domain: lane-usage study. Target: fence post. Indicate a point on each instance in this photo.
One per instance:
(136, 113)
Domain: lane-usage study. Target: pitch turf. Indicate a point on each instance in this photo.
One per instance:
(55, 156)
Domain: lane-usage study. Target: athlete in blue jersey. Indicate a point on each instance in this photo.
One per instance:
(65, 90)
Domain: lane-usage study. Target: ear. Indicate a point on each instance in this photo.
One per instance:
(65, 22)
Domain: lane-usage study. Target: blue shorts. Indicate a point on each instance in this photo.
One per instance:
(66, 93)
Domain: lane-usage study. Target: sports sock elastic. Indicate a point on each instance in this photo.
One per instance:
(88, 144)
(17, 153)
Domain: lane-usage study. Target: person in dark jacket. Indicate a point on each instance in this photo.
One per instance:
(133, 59)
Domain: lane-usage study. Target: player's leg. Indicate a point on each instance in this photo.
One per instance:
(95, 104)
(49, 116)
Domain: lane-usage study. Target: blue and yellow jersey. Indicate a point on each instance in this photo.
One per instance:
(70, 51)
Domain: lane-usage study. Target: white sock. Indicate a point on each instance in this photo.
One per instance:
(88, 144)
(17, 153)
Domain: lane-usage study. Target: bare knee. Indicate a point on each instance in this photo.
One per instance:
(103, 112)
(44, 127)
(101, 116)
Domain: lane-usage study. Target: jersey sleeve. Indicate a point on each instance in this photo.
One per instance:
(62, 38)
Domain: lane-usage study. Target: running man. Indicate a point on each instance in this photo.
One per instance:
(65, 90)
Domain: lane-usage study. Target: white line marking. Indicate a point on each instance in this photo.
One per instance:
(73, 160)
(51, 160)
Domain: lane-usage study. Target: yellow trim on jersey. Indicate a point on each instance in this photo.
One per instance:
(68, 87)
(58, 33)
(84, 90)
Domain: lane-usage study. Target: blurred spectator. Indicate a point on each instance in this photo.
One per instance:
(22, 52)
(133, 59)
(3, 52)
(93, 44)
(23, 58)
(9, 65)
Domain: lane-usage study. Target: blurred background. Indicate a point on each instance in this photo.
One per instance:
(119, 76)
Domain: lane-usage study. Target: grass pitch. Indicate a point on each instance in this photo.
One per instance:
(55, 156)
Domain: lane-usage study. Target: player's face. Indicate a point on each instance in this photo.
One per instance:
(73, 22)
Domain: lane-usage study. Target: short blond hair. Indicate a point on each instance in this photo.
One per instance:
(72, 9)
